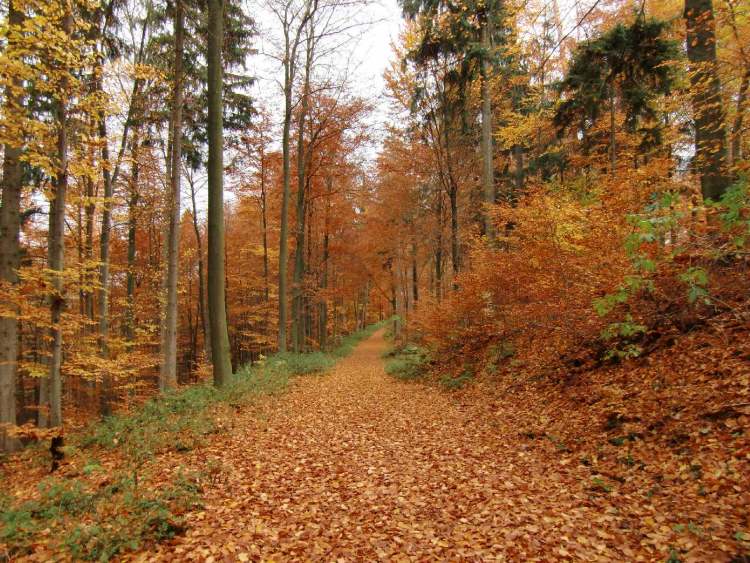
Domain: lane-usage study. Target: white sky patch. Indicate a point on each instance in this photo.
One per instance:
(364, 56)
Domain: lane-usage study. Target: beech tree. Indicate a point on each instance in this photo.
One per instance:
(293, 18)
(168, 371)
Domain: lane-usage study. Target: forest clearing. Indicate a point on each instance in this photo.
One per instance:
(358, 280)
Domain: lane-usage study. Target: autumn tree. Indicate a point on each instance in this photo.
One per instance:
(708, 108)
(10, 221)
(216, 301)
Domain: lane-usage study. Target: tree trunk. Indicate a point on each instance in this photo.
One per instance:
(264, 222)
(201, 287)
(739, 117)
(298, 339)
(105, 407)
(455, 250)
(439, 250)
(292, 40)
(414, 279)
(222, 363)
(708, 112)
(612, 133)
(168, 371)
(10, 227)
(284, 226)
(132, 231)
(518, 173)
(488, 179)
(89, 210)
(56, 254)
(323, 305)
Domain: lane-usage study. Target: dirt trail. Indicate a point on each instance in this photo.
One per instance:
(357, 466)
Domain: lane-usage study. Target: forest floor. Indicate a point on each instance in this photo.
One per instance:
(359, 466)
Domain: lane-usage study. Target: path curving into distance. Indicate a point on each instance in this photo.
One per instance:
(355, 465)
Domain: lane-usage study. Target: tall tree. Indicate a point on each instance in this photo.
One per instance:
(299, 251)
(10, 225)
(488, 169)
(168, 371)
(202, 313)
(293, 19)
(56, 237)
(708, 108)
(222, 365)
(627, 68)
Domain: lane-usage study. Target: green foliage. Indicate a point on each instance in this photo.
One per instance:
(453, 383)
(137, 520)
(658, 221)
(407, 362)
(119, 517)
(153, 427)
(631, 60)
(733, 208)
(298, 364)
(621, 335)
(697, 281)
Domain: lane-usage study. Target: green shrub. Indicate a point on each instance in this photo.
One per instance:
(298, 364)
(408, 362)
(457, 382)
(122, 516)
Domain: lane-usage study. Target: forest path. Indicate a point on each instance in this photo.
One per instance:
(355, 465)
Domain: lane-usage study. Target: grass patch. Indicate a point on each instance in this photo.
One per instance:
(407, 362)
(90, 521)
(457, 382)
(95, 523)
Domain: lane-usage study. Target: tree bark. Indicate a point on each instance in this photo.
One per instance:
(89, 211)
(222, 365)
(708, 112)
(612, 133)
(105, 406)
(201, 269)
(284, 226)
(439, 250)
(264, 224)
(414, 279)
(455, 250)
(56, 253)
(168, 371)
(298, 339)
(291, 43)
(323, 305)
(488, 179)
(10, 228)
(739, 117)
(133, 198)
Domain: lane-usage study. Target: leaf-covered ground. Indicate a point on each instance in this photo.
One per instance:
(356, 465)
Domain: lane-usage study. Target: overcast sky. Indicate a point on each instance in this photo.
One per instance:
(367, 54)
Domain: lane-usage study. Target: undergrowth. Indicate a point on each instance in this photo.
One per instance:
(410, 362)
(95, 517)
(95, 522)
(406, 362)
